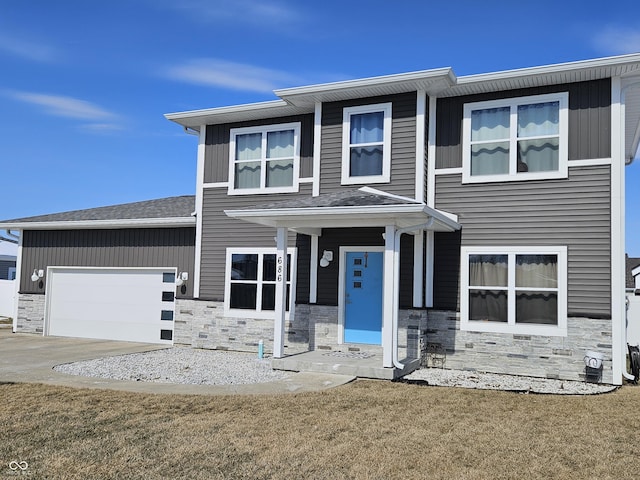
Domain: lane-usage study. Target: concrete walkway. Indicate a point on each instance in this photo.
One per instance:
(28, 358)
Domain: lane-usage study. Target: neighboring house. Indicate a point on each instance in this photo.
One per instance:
(8, 257)
(633, 300)
(479, 215)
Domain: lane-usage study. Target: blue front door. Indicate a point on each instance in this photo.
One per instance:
(363, 298)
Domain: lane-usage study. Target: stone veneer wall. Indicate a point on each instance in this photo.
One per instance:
(30, 313)
(530, 355)
(202, 324)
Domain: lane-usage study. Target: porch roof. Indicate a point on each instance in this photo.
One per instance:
(364, 207)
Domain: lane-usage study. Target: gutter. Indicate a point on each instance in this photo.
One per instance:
(396, 286)
(12, 238)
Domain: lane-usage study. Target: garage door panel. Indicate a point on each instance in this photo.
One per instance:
(116, 304)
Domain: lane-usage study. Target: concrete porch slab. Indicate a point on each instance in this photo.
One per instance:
(357, 364)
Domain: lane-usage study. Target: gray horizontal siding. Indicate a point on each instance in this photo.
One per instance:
(216, 166)
(220, 232)
(573, 212)
(149, 247)
(589, 120)
(403, 144)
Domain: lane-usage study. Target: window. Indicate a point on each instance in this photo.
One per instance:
(366, 144)
(514, 290)
(264, 159)
(250, 289)
(12, 273)
(516, 139)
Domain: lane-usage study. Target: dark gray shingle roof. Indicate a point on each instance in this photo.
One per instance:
(171, 207)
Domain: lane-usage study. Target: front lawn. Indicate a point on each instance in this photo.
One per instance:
(367, 429)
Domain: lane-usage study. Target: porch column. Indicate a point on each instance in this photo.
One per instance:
(388, 285)
(281, 292)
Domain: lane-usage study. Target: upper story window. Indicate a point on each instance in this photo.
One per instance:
(264, 159)
(514, 290)
(366, 144)
(515, 139)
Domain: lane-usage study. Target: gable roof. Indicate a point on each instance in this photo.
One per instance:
(632, 264)
(163, 212)
(363, 207)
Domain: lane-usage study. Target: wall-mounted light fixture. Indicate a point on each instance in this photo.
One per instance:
(327, 258)
(37, 275)
(181, 278)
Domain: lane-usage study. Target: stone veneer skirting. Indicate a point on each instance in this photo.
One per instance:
(202, 324)
(30, 313)
(531, 355)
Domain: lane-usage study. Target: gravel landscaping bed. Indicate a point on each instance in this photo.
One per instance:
(180, 365)
(184, 365)
(493, 381)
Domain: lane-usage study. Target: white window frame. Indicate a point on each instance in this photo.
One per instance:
(559, 330)
(347, 112)
(247, 313)
(513, 103)
(264, 129)
(12, 270)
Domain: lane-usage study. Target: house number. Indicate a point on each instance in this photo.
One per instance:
(279, 269)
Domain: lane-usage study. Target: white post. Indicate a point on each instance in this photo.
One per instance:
(388, 286)
(281, 292)
(418, 270)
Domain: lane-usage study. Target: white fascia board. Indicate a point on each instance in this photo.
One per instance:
(592, 64)
(636, 271)
(103, 224)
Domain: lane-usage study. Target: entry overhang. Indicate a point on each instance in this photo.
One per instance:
(359, 208)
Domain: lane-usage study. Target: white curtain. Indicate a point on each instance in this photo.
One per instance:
(367, 128)
(540, 119)
(490, 124)
(280, 146)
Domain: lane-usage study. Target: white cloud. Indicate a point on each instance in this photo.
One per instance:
(103, 128)
(266, 14)
(62, 106)
(236, 76)
(618, 40)
(27, 49)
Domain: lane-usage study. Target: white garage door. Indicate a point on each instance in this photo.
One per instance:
(115, 304)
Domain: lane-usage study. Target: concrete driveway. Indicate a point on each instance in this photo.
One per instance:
(28, 358)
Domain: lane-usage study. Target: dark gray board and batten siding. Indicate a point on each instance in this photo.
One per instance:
(403, 144)
(216, 166)
(143, 247)
(589, 120)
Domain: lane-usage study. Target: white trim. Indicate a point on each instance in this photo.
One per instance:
(511, 327)
(11, 270)
(448, 171)
(306, 180)
(280, 293)
(431, 153)
(375, 191)
(313, 270)
(199, 206)
(17, 285)
(590, 162)
(317, 147)
(618, 313)
(216, 185)
(103, 224)
(418, 268)
(421, 119)
(513, 175)
(247, 313)
(388, 295)
(343, 250)
(347, 112)
(429, 269)
(264, 130)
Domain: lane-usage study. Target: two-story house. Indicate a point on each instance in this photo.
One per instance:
(370, 218)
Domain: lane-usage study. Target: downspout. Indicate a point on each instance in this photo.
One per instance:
(12, 237)
(628, 161)
(396, 287)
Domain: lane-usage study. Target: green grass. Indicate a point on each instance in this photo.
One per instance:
(367, 429)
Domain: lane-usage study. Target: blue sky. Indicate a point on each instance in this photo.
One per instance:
(84, 84)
